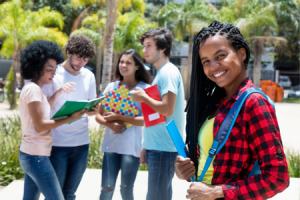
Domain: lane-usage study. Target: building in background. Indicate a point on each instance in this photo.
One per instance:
(4, 67)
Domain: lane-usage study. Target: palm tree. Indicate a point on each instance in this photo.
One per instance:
(92, 27)
(189, 18)
(263, 26)
(257, 22)
(19, 28)
(129, 27)
(288, 19)
(108, 40)
(108, 36)
(87, 4)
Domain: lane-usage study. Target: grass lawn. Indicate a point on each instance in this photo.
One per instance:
(292, 100)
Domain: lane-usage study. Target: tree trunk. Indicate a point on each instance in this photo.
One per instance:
(78, 19)
(189, 72)
(13, 85)
(115, 59)
(15, 68)
(98, 69)
(108, 39)
(258, 50)
(107, 61)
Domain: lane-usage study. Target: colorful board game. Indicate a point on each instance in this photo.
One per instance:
(121, 102)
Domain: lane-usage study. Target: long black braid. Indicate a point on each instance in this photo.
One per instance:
(204, 93)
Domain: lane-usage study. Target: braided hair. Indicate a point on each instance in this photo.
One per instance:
(204, 93)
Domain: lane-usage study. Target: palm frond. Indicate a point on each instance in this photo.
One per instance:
(49, 18)
(85, 3)
(90, 34)
(7, 49)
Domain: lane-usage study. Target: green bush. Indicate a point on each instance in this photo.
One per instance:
(143, 168)
(10, 140)
(293, 160)
(8, 85)
(292, 100)
(95, 155)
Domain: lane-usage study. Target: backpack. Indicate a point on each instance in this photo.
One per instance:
(226, 127)
(222, 135)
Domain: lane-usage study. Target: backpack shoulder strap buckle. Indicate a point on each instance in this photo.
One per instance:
(213, 149)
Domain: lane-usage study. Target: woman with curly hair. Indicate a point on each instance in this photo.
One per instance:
(38, 64)
(220, 59)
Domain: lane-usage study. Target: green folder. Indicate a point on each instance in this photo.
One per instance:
(70, 107)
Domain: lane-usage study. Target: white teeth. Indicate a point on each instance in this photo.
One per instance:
(219, 74)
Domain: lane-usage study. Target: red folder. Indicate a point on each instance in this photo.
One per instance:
(151, 117)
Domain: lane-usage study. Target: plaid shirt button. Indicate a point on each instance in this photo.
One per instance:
(219, 115)
(279, 151)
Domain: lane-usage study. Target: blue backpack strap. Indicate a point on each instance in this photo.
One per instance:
(226, 127)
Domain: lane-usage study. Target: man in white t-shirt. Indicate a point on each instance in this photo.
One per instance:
(70, 148)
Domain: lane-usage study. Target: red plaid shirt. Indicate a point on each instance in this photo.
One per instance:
(255, 135)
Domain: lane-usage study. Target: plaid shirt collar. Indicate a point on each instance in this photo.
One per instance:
(247, 82)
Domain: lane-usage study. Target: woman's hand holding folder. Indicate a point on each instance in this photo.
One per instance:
(184, 168)
(77, 115)
(117, 126)
(93, 112)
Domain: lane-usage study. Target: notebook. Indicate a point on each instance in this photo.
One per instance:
(151, 117)
(121, 102)
(70, 107)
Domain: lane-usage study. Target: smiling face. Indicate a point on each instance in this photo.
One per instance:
(222, 63)
(127, 66)
(151, 53)
(48, 71)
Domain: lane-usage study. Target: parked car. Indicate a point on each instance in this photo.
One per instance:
(284, 81)
(294, 92)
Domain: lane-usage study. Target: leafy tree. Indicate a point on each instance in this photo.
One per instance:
(260, 28)
(19, 28)
(107, 40)
(91, 28)
(257, 22)
(129, 27)
(64, 7)
(151, 11)
(288, 19)
(189, 18)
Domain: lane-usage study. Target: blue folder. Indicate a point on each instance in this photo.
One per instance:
(178, 141)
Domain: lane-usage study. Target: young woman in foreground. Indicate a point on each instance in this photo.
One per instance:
(38, 64)
(220, 59)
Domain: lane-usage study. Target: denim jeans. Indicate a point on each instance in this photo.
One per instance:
(112, 163)
(39, 176)
(161, 170)
(69, 164)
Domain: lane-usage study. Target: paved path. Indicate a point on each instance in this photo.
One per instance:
(89, 188)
